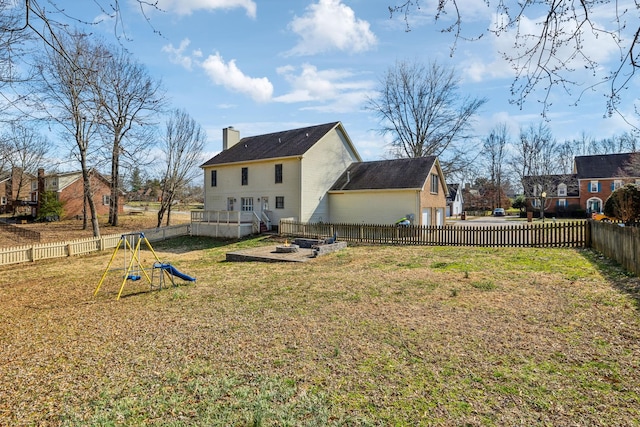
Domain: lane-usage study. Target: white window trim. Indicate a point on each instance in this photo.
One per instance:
(562, 190)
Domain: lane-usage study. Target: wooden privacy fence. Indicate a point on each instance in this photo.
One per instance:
(617, 242)
(551, 234)
(31, 253)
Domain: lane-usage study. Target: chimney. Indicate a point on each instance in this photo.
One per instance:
(230, 137)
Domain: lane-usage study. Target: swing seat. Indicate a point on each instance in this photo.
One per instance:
(133, 277)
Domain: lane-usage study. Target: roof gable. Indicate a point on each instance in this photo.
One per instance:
(601, 165)
(386, 174)
(288, 143)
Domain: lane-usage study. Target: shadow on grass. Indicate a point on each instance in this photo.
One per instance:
(185, 244)
(615, 274)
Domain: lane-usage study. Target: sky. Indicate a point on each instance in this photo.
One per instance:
(268, 65)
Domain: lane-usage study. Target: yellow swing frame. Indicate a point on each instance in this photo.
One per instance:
(135, 256)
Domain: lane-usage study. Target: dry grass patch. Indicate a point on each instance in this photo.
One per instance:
(366, 336)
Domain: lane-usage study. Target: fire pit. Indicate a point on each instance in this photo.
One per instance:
(287, 248)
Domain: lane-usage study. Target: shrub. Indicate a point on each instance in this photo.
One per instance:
(624, 204)
(51, 209)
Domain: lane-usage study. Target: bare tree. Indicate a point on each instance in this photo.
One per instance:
(25, 149)
(68, 98)
(182, 148)
(494, 152)
(129, 101)
(421, 108)
(551, 53)
(534, 161)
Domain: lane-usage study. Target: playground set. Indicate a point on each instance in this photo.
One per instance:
(161, 272)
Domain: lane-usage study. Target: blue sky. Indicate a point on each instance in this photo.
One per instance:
(264, 66)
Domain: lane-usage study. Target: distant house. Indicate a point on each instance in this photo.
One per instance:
(593, 180)
(18, 192)
(561, 193)
(69, 188)
(382, 192)
(455, 201)
(599, 175)
(315, 174)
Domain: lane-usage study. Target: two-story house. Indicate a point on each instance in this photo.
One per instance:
(593, 180)
(559, 193)
(313, 174)
(69, 189)
(599, 175)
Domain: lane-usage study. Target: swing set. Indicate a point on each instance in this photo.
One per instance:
(132, 265)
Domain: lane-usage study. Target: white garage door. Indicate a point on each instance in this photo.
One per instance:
(426, 216)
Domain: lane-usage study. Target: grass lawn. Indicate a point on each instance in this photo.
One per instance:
(369, 336)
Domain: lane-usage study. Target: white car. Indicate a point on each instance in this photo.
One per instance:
(498, 212)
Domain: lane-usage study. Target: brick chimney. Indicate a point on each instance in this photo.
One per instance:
(230, 137)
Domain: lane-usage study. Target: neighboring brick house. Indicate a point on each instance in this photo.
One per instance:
(561, 194)
(18, 192)
(599, 175)
(593, 180)
(70, 190)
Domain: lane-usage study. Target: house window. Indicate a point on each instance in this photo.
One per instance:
(247, 204)
(245, 177)
(434, 184)
(562, 190)
(617, 184)
(106, 198)
(562, 203)
(637, 182)
(230, 202)
(593, 187)
(34, 185)
(279, 202)
(279, 174)
(3, 200)
(214, 178)
(535, 203)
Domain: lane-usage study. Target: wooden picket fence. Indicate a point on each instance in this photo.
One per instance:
(41, 251)
(549, 234)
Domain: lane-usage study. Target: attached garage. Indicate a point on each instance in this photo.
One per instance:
(383, 192)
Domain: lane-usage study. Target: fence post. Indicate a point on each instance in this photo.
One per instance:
(587, 233)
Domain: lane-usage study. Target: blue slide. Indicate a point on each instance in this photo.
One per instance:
(175, 272)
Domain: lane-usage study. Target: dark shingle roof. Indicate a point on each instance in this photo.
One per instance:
(386, 174)
(601, 165)
(453, 190)
(288, 143)
(550, 184)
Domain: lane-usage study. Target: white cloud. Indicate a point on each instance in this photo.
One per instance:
(330, 25)
(331, 90)
(224, 74)
(231, 77)
(187, 7)
(177, 54)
